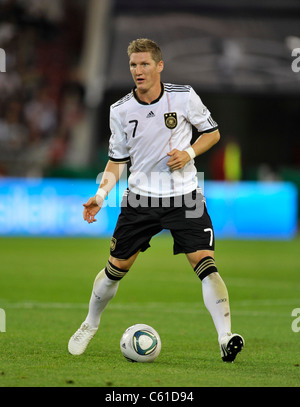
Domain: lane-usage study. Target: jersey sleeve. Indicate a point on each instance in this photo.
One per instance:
(117, 151)
(198, 114)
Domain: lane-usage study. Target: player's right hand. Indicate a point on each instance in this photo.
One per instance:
(91, 208)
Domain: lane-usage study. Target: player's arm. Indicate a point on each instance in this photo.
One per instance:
(179, 159)
(110, 177)
(204, 143)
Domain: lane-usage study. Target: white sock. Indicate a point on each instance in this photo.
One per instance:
(104, 290)
(216, 300)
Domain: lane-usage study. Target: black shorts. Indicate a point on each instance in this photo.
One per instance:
(141, 218)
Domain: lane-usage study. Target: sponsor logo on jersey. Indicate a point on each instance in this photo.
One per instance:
(151, 114)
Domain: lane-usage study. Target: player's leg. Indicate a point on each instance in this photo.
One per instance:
(194, 236)
(216, 300)
(104, 289)
(132, 234)
(215, 294)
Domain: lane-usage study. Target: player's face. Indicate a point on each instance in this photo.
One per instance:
(145, 71)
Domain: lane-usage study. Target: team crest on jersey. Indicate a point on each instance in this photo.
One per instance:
(171, 120)
(113, 243)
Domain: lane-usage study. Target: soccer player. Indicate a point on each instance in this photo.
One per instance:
(152, 128)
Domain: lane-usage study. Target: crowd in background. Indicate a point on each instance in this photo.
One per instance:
(41, 96)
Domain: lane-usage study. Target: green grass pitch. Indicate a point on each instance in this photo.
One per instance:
(45, 285)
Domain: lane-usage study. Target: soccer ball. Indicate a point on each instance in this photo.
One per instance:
(140, 343)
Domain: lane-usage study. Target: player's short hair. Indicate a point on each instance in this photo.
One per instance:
(145, 45)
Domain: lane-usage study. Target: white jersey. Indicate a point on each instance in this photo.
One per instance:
(144, 133)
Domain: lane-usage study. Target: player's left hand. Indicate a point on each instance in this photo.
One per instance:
(178, 159)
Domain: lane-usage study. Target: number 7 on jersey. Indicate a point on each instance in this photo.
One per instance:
(135, 126)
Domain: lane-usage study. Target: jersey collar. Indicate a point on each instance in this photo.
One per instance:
(153, 101)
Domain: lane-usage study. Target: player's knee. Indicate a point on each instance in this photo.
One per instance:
(205, 267)
(114, 272)
(123, 264)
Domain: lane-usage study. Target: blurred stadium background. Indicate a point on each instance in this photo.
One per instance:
(66, 62)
